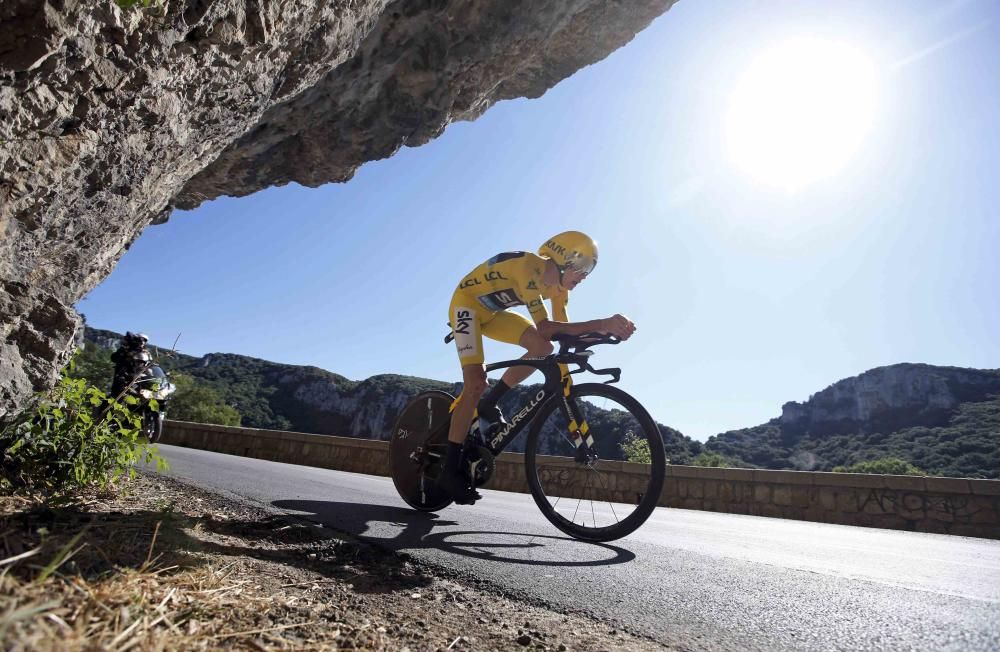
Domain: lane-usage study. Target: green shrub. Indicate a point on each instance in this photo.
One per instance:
(199, 402)
(713, 460)
(636, 449)
(77, 436)
(93, 364)
(882, 466)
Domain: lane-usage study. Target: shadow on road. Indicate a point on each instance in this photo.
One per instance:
(418, 533)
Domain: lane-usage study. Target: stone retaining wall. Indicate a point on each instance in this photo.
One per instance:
(926, 504)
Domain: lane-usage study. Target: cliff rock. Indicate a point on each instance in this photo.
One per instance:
(944, 420)
(111, 117)
(891, 397)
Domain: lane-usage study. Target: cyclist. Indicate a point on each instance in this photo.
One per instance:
(481, 306)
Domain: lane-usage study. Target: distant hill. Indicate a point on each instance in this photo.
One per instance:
(944, 420)
(308, 399)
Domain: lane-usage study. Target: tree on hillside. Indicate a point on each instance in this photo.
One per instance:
(200, 403)
(93, 364)
(636, 449)
(882, 466)
(713, 460)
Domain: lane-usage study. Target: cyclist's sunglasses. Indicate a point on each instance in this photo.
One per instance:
(582, 265)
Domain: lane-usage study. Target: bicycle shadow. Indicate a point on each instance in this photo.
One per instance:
(361, 520)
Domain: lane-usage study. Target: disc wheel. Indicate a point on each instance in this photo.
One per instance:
(600, 497)
(417, 449)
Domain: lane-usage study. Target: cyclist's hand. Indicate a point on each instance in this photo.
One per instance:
(620, 326)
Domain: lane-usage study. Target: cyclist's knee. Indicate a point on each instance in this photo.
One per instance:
(535, 343)
(475, 382)
(544, 348)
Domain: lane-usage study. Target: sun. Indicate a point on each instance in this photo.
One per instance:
(800, 111)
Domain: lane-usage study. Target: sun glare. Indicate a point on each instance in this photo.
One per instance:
(800, 111)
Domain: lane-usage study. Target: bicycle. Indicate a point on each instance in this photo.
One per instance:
(576, 449)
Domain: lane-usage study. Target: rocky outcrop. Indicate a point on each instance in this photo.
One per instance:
(366, 409)
(944, 420)
(893, 397)
(109, 118)
(36, 332)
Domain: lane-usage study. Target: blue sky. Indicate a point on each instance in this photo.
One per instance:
(745, 294)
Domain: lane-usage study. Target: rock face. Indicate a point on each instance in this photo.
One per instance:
(109, 118)
(944, 420)
(889, 397)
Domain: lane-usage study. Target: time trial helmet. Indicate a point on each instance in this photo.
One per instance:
(571, 250)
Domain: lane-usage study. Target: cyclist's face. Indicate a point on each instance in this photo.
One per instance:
(571, 278)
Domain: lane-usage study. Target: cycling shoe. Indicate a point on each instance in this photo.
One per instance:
(458, 486)
(491, 420)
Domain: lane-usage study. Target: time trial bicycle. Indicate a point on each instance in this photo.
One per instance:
(594, 458)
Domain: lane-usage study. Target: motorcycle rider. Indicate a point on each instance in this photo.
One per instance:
(130, 359)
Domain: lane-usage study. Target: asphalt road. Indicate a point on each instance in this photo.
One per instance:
(694, 580)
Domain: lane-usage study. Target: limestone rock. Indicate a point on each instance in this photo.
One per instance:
(915, 393)
(109, 118)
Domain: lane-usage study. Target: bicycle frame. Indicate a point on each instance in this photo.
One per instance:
(553, 384)
(555, 368)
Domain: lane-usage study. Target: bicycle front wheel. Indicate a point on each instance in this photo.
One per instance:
(606, 495)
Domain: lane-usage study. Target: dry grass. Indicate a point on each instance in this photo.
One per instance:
(165, 566)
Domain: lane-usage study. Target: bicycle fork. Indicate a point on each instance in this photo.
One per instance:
(579, 430)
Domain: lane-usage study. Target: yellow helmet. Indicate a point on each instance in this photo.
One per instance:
(571, 250)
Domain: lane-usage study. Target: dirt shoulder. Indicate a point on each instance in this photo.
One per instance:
(169, 566)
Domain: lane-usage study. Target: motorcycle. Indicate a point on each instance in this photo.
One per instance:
(153, 384)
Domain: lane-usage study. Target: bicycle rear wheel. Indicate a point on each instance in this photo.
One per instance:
(417, 449)
(602, 498)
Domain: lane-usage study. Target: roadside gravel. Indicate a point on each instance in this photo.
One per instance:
(170, 566)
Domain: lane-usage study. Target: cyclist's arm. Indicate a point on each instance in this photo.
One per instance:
(618, 325)
(549, 328)
(560, 323)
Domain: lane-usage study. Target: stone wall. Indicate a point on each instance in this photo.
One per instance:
(926, 504)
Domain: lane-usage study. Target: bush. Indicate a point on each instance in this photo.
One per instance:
(713, 460)
(93, 364)
(77, 436)
(882, 466)
(636, 449)
(198, 402)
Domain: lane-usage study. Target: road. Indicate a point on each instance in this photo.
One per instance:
(694, 580)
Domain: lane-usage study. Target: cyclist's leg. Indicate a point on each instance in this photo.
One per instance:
(474, 383)
(468, 331)
(514, 328)
(453, 479)
(537, 347)
(469, 345)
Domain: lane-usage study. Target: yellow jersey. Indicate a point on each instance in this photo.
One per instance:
(513, 279)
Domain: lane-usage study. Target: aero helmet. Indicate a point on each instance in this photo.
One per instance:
(571, 250)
